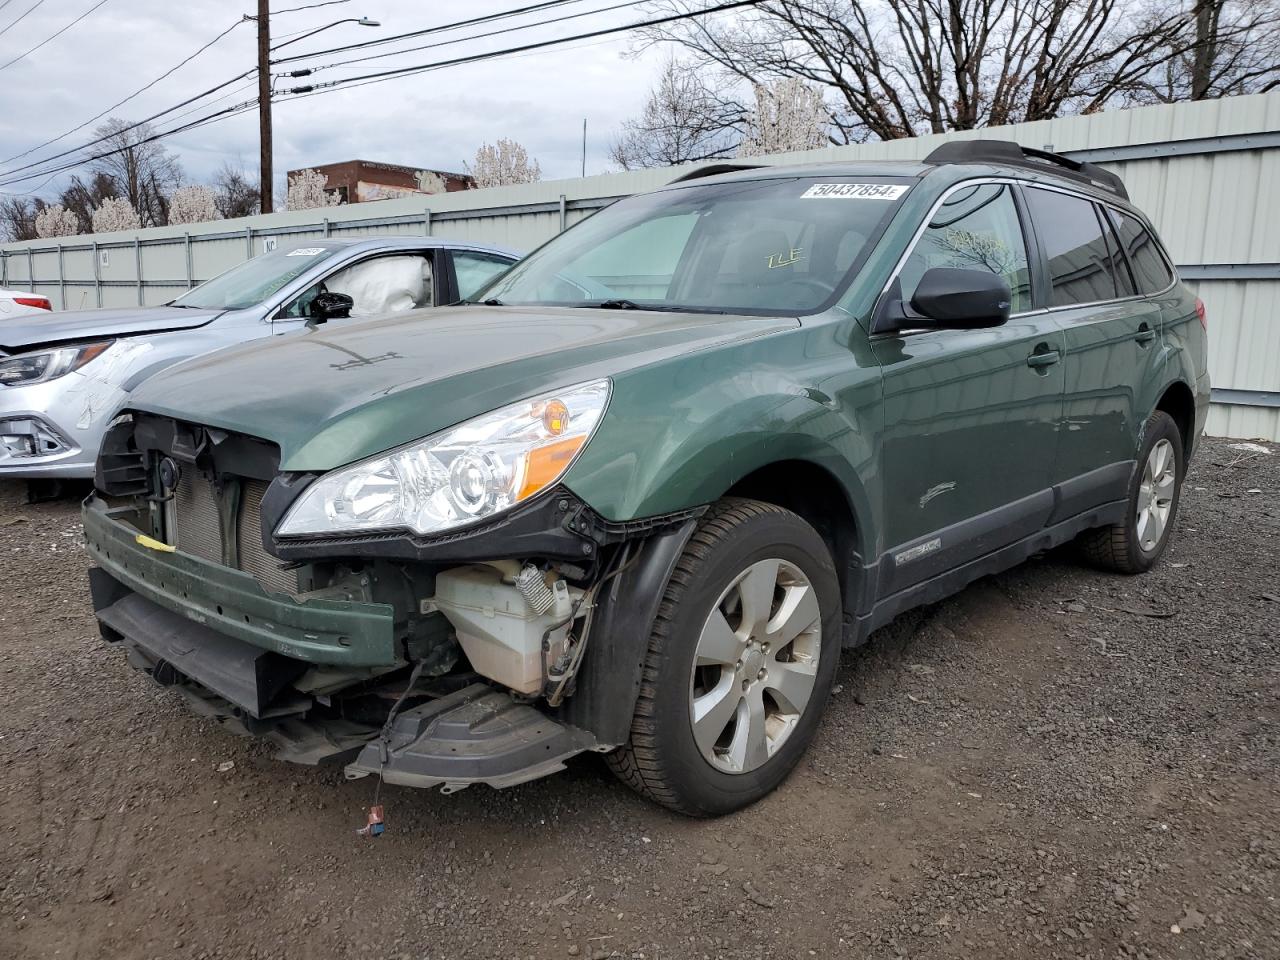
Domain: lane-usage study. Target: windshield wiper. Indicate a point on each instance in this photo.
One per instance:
(492, 302)
(623, 304)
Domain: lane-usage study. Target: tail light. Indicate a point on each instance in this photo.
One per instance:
(1204, 318)
(40, 303)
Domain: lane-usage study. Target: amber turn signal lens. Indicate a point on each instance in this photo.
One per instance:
(555, 417)
(545, 463)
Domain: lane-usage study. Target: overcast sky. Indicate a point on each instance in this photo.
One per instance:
(434, 120)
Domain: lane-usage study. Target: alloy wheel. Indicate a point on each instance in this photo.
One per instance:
(755, 666)
(1155, 495)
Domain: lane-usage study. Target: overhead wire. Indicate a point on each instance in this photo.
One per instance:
(114, 133)
(426, 31)
(477, 36)
(120, 103)
(8, 177)
(538, 45)
(21, 17)
(54, 37)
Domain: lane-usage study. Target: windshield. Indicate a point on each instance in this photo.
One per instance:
(254, 280)
(777, 246)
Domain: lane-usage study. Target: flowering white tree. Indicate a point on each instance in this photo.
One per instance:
(503, 163)
(789, 115)
(306, 191)
(115, 213)
(193, 204)
(57, 221)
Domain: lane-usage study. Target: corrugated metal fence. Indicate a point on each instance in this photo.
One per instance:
(1207, 173)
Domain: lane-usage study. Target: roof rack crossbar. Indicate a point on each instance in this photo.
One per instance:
(1006, 151)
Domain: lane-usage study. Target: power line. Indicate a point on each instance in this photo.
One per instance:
(446, 43)
(54, 37)
(440, 28)
(124, 129)
(120, 103)
(493, 54)
(202, 121)
(8, 177)
(310, 6)
(20, 18)
(66, 153)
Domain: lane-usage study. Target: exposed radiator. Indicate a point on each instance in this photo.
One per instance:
(199, 533)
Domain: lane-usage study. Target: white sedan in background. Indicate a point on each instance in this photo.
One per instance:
(14, 303)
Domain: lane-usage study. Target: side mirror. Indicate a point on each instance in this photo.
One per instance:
(329, 306)
(948, 299)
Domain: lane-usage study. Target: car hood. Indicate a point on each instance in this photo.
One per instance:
(336, 394)
(32, 330)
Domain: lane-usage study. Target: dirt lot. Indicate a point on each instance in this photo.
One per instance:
(1056, 763)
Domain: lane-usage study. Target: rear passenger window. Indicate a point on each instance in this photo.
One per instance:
(1150, 269)
(1080, 262)
(1119, 267)
(976, 228)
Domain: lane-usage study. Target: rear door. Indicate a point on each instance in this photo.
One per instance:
(473, 269)
(971, 416)
(1112, 342)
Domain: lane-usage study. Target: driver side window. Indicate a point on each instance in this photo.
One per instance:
(379, 285)
(976, 228)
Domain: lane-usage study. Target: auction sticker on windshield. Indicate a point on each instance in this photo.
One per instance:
(855, 191)
(305, 251)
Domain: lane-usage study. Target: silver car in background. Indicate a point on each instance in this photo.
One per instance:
(63, 375)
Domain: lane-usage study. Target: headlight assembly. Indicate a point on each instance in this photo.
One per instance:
(45, 365)
(470, 472)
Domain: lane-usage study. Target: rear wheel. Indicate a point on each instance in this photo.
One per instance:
(1135, 545)
(740, 662)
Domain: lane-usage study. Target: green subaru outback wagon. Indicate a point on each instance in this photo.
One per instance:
(638, 497)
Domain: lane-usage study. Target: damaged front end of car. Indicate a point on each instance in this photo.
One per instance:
(489, 653)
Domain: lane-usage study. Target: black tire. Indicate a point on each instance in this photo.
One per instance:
(1117, 547)
(661, 760)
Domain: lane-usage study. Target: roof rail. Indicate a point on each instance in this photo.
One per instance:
(714, 169)
(1006, 151)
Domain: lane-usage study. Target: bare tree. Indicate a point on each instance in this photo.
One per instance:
(57, 221)
(898, 68)
(234, 194)
(307, 191)
(789, 115)
(684, 120)
(193, 204)
(503, 163)
(144, 173)
(1226, 47)
(18, 218)
(115, 213)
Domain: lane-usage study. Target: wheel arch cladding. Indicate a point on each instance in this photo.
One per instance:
(1179, 402)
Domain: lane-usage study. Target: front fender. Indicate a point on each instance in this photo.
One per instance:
(678, 435)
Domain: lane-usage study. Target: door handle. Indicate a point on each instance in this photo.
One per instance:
(1045, 359)
(1145, 335)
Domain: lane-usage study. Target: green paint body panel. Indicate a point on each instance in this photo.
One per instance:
(923, 431)
(335, 632)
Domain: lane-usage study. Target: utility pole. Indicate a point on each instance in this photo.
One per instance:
(264, 104)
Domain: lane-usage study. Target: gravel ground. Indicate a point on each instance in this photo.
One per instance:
(1055, 763)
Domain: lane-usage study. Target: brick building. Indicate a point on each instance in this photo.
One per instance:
(356, 181)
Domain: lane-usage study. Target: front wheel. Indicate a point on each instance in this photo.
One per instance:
(1135, 544)
(740, 662)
